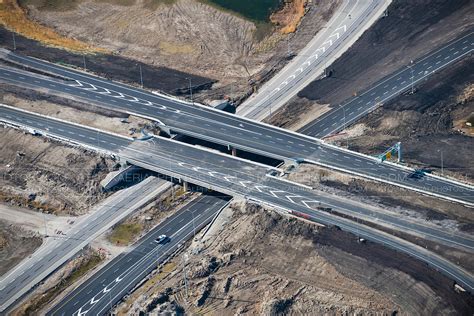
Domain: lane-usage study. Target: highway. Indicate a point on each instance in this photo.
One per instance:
(223, 128)
(389, 87)
(115, 280)
(58, 249)
(234, 176)
(347, 24)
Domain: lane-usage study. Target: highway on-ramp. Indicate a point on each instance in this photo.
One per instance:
(347, 24)
(226, 129)
(58, 249)
(237, 177)
(389, 87)
(115, 280)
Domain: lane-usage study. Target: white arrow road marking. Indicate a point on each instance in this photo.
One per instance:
(330, 43)
(228, 177)
(80, 312)
(106, 290)
(211, 173)
(118, 279)
(260, 186)
(242, 183)
(93, 301)
(273, 192)
(344, 27)
(307, 62)
(311, 201)
(293, 196)
(322, 48)
(107, 91)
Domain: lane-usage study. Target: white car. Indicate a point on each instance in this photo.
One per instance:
(161, 239)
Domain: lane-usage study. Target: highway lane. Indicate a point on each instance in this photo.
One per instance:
(108, 285)
(389, 87)
(226, 129)
(57, 250)
(235, 176)
(347, 24)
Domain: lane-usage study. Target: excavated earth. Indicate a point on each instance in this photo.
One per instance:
(266, 264)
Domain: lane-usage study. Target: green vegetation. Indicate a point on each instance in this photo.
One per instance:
(76, 274)
(125, 233)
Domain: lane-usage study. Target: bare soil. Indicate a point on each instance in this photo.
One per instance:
(263, 263)
(111, 66)
(77, 269)
(431, 124)
(73, 111)
(48, 176)
(412, 29)
(447, 215)
(171, 42)
(16, 244)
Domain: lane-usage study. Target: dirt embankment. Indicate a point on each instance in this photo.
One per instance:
(179, 36)
(262, 263)
(73, 111)
(445, 214)
(431, 124)
(16, 243)
(48, 176)
(412, 29)
(15, 18)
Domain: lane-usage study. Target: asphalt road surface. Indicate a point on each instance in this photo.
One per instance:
(58, 249)
(348, 23)
(389, 87)
(251, 180)
(227, 129)
(108, 285)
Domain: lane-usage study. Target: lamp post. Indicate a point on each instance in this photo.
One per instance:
(14, 41)
(141, 75)
(191, 91)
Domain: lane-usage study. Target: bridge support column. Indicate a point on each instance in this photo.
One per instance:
(233, 150)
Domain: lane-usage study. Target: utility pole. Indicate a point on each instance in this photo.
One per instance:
(191, 91)
(141, 75)
(14, 41)
(442, 161)
(185, 278)
(45, 226)
(194, 227)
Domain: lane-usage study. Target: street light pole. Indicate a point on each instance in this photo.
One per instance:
(14, 41)
(412, 77)
(191, 91)
(84, 61)
(141, 75)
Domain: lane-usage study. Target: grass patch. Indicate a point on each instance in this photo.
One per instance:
(76, 274)
(14, 18)
(125, 233)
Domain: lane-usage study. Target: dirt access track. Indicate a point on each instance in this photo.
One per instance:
(259, 262)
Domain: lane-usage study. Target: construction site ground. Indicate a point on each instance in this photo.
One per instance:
(255, 261)
(229, 50)
(427, 123)
(431, 124)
